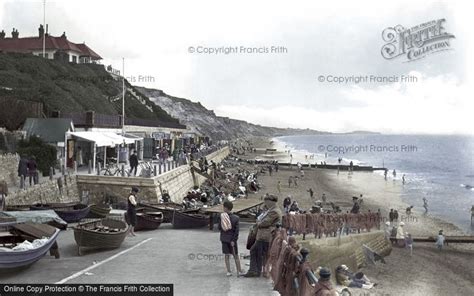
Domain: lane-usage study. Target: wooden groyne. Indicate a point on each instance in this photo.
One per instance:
(341, 167)
(448, 239)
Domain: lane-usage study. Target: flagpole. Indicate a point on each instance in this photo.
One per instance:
(123, 96)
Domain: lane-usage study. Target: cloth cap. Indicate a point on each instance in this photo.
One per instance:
(325, 273)
(135, 189)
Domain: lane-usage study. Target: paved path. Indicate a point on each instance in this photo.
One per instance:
(190, 259)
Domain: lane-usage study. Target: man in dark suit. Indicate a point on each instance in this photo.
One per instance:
(266, 224)
(133, 159)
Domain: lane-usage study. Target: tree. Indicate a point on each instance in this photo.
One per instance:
(45, 154)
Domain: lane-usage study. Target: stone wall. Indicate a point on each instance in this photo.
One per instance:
(99, 189)
(219, 155)
(177, 182)
(47, 192)
(9, 168)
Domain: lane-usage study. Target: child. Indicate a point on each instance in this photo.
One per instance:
(409, 243)
(229, 228)
(440, 240)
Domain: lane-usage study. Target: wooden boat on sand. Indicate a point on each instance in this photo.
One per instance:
(147, 220)
(100, 234)
(98, 211)
(25, 256)
(74, 213)
(167, 209)
(189, 220)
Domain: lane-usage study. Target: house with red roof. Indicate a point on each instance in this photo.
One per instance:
(58, 48)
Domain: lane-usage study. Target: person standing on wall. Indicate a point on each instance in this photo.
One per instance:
(133, 159)
(33, 170)
(22, 170)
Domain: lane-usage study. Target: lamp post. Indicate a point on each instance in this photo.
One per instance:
(123, 96)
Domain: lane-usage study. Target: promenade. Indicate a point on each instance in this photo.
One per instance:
(189, 259)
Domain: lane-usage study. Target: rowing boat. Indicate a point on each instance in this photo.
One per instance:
(100, 234)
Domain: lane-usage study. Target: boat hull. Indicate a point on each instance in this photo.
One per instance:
(187, 221)
(147, 220)
(15, 259)
(74, 214)
(97, 211)
(85, 237)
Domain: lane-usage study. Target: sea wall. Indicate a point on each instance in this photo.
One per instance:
(219, 155)
(103, 188)
(177, 182)
(63, 189)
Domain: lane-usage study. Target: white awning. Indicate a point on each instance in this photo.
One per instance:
(102, 139)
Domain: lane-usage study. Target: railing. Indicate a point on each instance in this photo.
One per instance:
(105, 120)
(92, 119)
(153, 123)
(79, 119)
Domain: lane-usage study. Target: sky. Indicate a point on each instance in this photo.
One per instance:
(279, 51)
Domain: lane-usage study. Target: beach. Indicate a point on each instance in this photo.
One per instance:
(428, 272)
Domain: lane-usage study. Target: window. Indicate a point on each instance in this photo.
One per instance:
(74, 59)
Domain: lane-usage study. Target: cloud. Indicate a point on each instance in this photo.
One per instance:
(433, 105)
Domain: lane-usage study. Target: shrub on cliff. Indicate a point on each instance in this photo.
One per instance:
(45, 154)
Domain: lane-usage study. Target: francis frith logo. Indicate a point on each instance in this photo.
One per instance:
(416, 42)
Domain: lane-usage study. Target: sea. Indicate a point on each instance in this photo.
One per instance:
(438, 167)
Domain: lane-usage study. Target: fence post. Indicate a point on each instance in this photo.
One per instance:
(164, 167)
(75, 167)
(51, 173)
(154, 170)
(90, 167)
(98, 169)
(123, 170)
(22, 182)
(169, 165)
(60, 186)
(159, 169)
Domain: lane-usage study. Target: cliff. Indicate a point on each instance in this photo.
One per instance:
(203, 121)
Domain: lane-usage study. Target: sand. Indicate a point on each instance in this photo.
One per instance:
(428, 272)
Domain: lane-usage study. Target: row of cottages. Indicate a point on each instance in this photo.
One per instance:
(58, 48)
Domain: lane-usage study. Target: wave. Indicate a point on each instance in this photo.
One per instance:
(468, 187)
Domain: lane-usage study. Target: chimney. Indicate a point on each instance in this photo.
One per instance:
(63, 35)
(2, 34)
(41, 31)
(15, 34)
